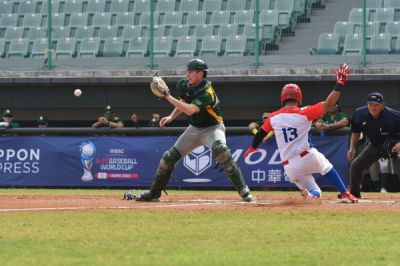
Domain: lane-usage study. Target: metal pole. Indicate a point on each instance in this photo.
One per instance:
(257, 42)
(49, 37)
(364, 34)
(151, 48)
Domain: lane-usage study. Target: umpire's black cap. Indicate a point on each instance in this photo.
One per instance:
(375, 98)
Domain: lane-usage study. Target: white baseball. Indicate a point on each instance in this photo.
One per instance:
(77, 92)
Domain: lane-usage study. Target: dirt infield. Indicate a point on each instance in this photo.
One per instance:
(197, 201)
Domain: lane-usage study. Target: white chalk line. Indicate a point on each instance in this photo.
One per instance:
(185, 203)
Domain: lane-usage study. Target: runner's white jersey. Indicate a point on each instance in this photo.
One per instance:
(291, 126)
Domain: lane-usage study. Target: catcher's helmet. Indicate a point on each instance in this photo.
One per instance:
(291, 91)
(197, 64)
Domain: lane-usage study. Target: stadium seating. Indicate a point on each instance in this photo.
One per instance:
(125, 18)
(211, 45)
(162, 46)
(236, 5)
(14, 33)
(39, 48)
(140, 6)
(37, 33)
(113, 46)
(372, 27)
(130, 32)
(73, 6)
(66, 48)
(18, 48)
(96, 6)
(32, 20)
(227, 30)
(196, 18)
(328, 44)
(176, 31)
(9, 20)
(212, 5)
(26, 7)
(188, 5)
(244, 17)
(101, 19)
(119, 6)
(2, 47)
(343, 28)
(374, 3)
(380, 43)
(6, 7)
(204, 30)
(172, 18)
(219, 17)
(62, 32)
(235, 45)
(84, 32)
(186, 46)
(166, 5)
(90, 47)
(352, 44)
(396, 49)
(137, 47)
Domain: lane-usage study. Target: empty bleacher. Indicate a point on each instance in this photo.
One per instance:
(99, 28)
(382, 31)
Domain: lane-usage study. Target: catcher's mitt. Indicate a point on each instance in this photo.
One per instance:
(158, 87)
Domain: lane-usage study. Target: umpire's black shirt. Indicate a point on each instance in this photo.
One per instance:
(386, 125)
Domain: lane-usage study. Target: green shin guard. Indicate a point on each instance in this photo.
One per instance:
(224, 158)
(163, 174)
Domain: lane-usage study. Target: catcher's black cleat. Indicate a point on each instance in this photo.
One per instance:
(147, 196)
(246, 194)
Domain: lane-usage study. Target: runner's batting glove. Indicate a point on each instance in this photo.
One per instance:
(249, 151)
(342, 74)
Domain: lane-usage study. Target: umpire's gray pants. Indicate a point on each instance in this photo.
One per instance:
(364, 160)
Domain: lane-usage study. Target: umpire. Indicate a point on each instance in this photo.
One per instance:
(381, 126)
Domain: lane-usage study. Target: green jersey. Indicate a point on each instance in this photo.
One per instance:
(204, 97)
(338, 117)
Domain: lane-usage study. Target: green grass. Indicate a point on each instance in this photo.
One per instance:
(144, 237)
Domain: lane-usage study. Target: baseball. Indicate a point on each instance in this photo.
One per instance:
(77, 92)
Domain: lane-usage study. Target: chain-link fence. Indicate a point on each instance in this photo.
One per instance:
(164, 34)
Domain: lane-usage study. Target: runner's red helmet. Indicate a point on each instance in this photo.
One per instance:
(291, 91)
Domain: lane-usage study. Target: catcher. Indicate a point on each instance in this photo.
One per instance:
(198, 100)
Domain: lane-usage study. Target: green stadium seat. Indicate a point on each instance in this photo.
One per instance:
(236, 5)
(37, 33)
(159, 30)
(73, 6)
(32, 20)
(196, 18)
(384, 15)
(328, 44)
(372, 27)
(26, 7)
(177, 31)
(263, 4)
(220, 17)
(211, 45)
(66, 48)
(119, 6)
(9, 20)
(55, 6)
(6, 7)
(89, 47)
(204, 30)
(301, 8)
(61, 32)
(226, 30)
(145, 18)
(96, 6)
(396, 49)
(392, 3)
(243, 17)
(343, 28)
(137, 47)
(352, 44)
(39, 48)
(125, 19)
(132, 31)
(113, 46)
(212, 6)
(164, 6)
(250, 32)
(57, 20)
(2, 47)
(393, 27)
(101, 19)
(380, 43)
(172, 18)
(14, 33)
(269, 17)
(356, 16)
(284, 5)
(186, 46)
(108, 32)
(162, 46)
(374, 3)
(141, 6)
(84, 32)
(189, 5)
(235, 46)
(18, 48)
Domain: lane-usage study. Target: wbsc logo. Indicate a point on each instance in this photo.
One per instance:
(199, 160)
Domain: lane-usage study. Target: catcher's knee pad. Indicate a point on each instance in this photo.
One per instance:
(221, 151)
(169, 159)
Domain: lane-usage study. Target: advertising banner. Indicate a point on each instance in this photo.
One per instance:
(45, 161)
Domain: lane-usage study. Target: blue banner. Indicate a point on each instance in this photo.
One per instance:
(44, 161)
